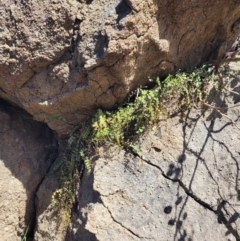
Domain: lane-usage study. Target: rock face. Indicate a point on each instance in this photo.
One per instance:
(184, 186)
(27, 150)
(48, 225)
(62, 59)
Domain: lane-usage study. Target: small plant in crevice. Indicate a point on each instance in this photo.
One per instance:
(26, 233)
(131, 120)
(72, 166)
(121, 126)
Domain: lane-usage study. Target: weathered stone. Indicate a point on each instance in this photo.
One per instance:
(49, 225)
(61, 60)
(202, 151)
(185, 186)
(27, 150)
(137, 203)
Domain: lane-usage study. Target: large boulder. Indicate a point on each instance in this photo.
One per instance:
(27, 151)
(183, 185)
(61, 60)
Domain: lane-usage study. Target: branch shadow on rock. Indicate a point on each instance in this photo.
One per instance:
(226, 210)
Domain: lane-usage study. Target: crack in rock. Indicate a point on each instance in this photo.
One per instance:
(33, 221)
(219, 213)
(129, 230)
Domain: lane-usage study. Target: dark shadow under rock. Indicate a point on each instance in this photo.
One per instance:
(27, 151)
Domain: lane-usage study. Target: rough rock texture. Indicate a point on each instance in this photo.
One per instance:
(27, 150)
(62, 59)
(138, 203)
(185, 186)
(48, 225)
